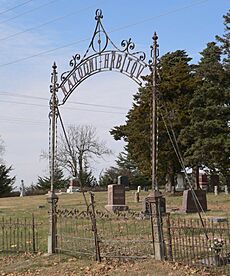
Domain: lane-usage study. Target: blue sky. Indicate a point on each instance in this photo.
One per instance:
(29, 29)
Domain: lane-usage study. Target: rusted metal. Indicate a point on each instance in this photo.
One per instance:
(18, 235)
(94, 226)
(155, 53)
(170, 253)
(190, 246)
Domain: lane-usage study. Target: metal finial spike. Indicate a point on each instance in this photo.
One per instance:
(155, 37)
(99, 14)
(54, 65)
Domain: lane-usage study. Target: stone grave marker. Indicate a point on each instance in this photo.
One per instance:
(123, 180)
(73, 186)
(188, 203)
(116, 198)
(180, 186)
(216, 190)
(22, 189)
(203, 181)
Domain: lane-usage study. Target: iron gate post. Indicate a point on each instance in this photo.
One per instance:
(156, 201)
(52, 198)
(52, 236)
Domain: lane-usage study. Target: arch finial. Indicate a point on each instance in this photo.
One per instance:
(155, 37)
(99, 15)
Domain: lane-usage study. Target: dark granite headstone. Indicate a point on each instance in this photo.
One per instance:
(123, 180)
(116, 198)
(189, 205)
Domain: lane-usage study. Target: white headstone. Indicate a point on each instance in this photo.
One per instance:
(180, 182)
(22, 189)
(216, 190)
(138, 189)
(226, 189)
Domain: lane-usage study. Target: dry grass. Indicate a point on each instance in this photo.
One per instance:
(41, 264)
(25, 206)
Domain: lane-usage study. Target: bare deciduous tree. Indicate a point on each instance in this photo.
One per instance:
(82, 144)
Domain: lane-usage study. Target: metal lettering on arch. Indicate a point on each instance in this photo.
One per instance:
(102, 55)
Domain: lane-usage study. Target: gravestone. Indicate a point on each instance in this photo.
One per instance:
(151, 199)
(116, 198)
(138, 189)
(180, 186)
(22, 189)
(226, 189)
(216, 190)
(189, 205)
(123, 180)
(73, 186)
(203, 181)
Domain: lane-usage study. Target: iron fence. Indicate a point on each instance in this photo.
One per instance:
(74, 232)
(119, 235)
(18, 235)
(189, 242)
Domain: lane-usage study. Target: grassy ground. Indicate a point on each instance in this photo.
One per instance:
(25, 206)
(41, 264)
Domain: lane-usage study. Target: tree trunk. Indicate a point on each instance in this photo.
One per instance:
(80, 161)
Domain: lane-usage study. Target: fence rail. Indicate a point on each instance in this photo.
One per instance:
(123, 235)
(126, 235)
(188, 242)
(18, 235)
(120, 235)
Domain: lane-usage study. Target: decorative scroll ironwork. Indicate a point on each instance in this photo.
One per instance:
(128, 46)
(85, 214)
(103, 55)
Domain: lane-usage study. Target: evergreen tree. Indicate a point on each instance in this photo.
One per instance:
(6, 182)
(124, 167)
(225, 41)
(175, 89)
(207, 136)
(60, 181)
(109, 176)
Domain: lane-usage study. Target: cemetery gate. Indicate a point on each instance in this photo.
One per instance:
(90, 232)
(102, 55)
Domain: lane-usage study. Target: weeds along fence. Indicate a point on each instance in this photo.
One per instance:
(188, 241)
(104, 235)
(19, 235)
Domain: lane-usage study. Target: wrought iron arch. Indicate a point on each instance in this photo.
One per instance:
(102, 55)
